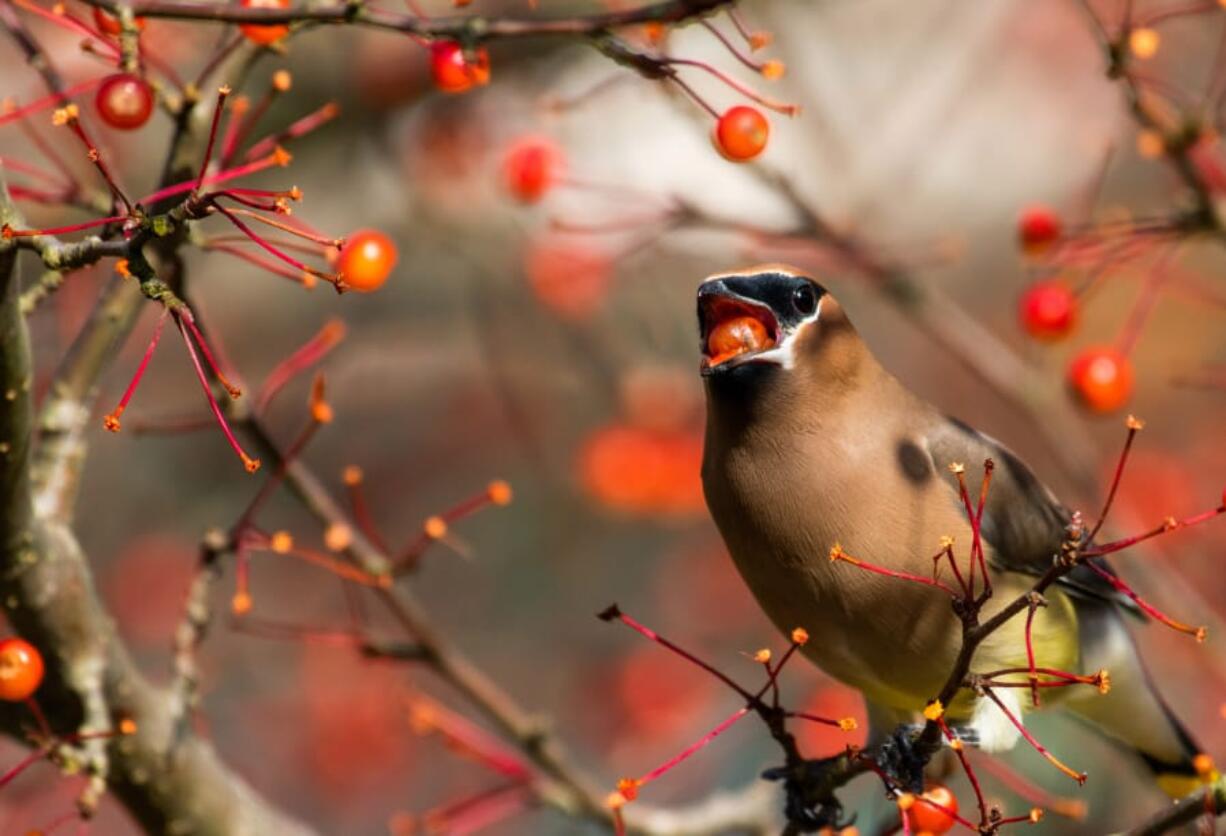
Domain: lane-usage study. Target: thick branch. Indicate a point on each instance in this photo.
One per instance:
(1207, 801)
(464, 28)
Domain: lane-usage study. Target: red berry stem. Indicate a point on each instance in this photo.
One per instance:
(296, 229)
(428, 715)
(290, 260)
(244, 126)
(307, 355)
(1134, 426)
(217, 59)
(1035, 603)
(744, 59)
(231, 389)
(359, 508)
(31, 170)
(50, 101)
(38, 195)
(960, 750)
(689, 91)
(22, 765)
(222, 93)
(948, 553)
(1079, 777)
(266, 264)
(249, 463)
(745, 90)
(1155, 280)
(52, 155)
(238, 110)
(479, 810)
(614, 613)
(837, 554)
(296, 129)
(64, 20)
(691, 750)
(1019, 785)
(1199, 633)
(8, 232)
(70, 116)
(44, 728)
(111, 421)
(277, 157)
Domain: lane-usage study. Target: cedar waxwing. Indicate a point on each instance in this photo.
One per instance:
(810, 442)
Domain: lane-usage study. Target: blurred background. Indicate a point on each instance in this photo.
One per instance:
(507, 345)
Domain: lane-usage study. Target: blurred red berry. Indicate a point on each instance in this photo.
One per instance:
(1038, 228)
(834, 701)
(567, 276)
(741, 133)
(21, 669)
(1048, 310)
(532, 166)
(925, 818)
(641, 471)
(124, 101)
(271, 33)
(1102, 378)
(367, 260)
(455, 72)
(108, 24)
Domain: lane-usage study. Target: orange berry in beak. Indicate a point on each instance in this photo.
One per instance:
(736, 336)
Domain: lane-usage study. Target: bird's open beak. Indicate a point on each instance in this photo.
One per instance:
(734, 328)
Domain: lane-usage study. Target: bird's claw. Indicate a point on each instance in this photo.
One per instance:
(899, 759)
(810, 804)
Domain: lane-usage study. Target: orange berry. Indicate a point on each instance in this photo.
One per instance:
(108, 24)
(532, 166)
(741, 133)
(924, 817)
(21, 669)
(735, 336)
(455, 72)
(124, 101)
(1047, 310)
(366, 260)
(1038, 228)
(270, 33)
(1102, 378)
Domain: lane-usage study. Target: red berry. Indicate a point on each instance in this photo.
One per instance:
(108, 24)
(124, 101)
(734, 337)
(1048, 310)
(741, 133)
(927, 818)
(1038, 228)
(21, 669)
(366, 260)
(264, 34)
(455, 72)
(532, 166)
(567, 276)
(1102, 378)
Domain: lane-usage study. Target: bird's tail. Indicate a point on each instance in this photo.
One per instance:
(1132, 711)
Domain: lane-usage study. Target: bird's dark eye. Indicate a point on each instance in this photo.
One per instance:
(804, 299)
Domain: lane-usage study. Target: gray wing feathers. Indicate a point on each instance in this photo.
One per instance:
(1023, 521)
